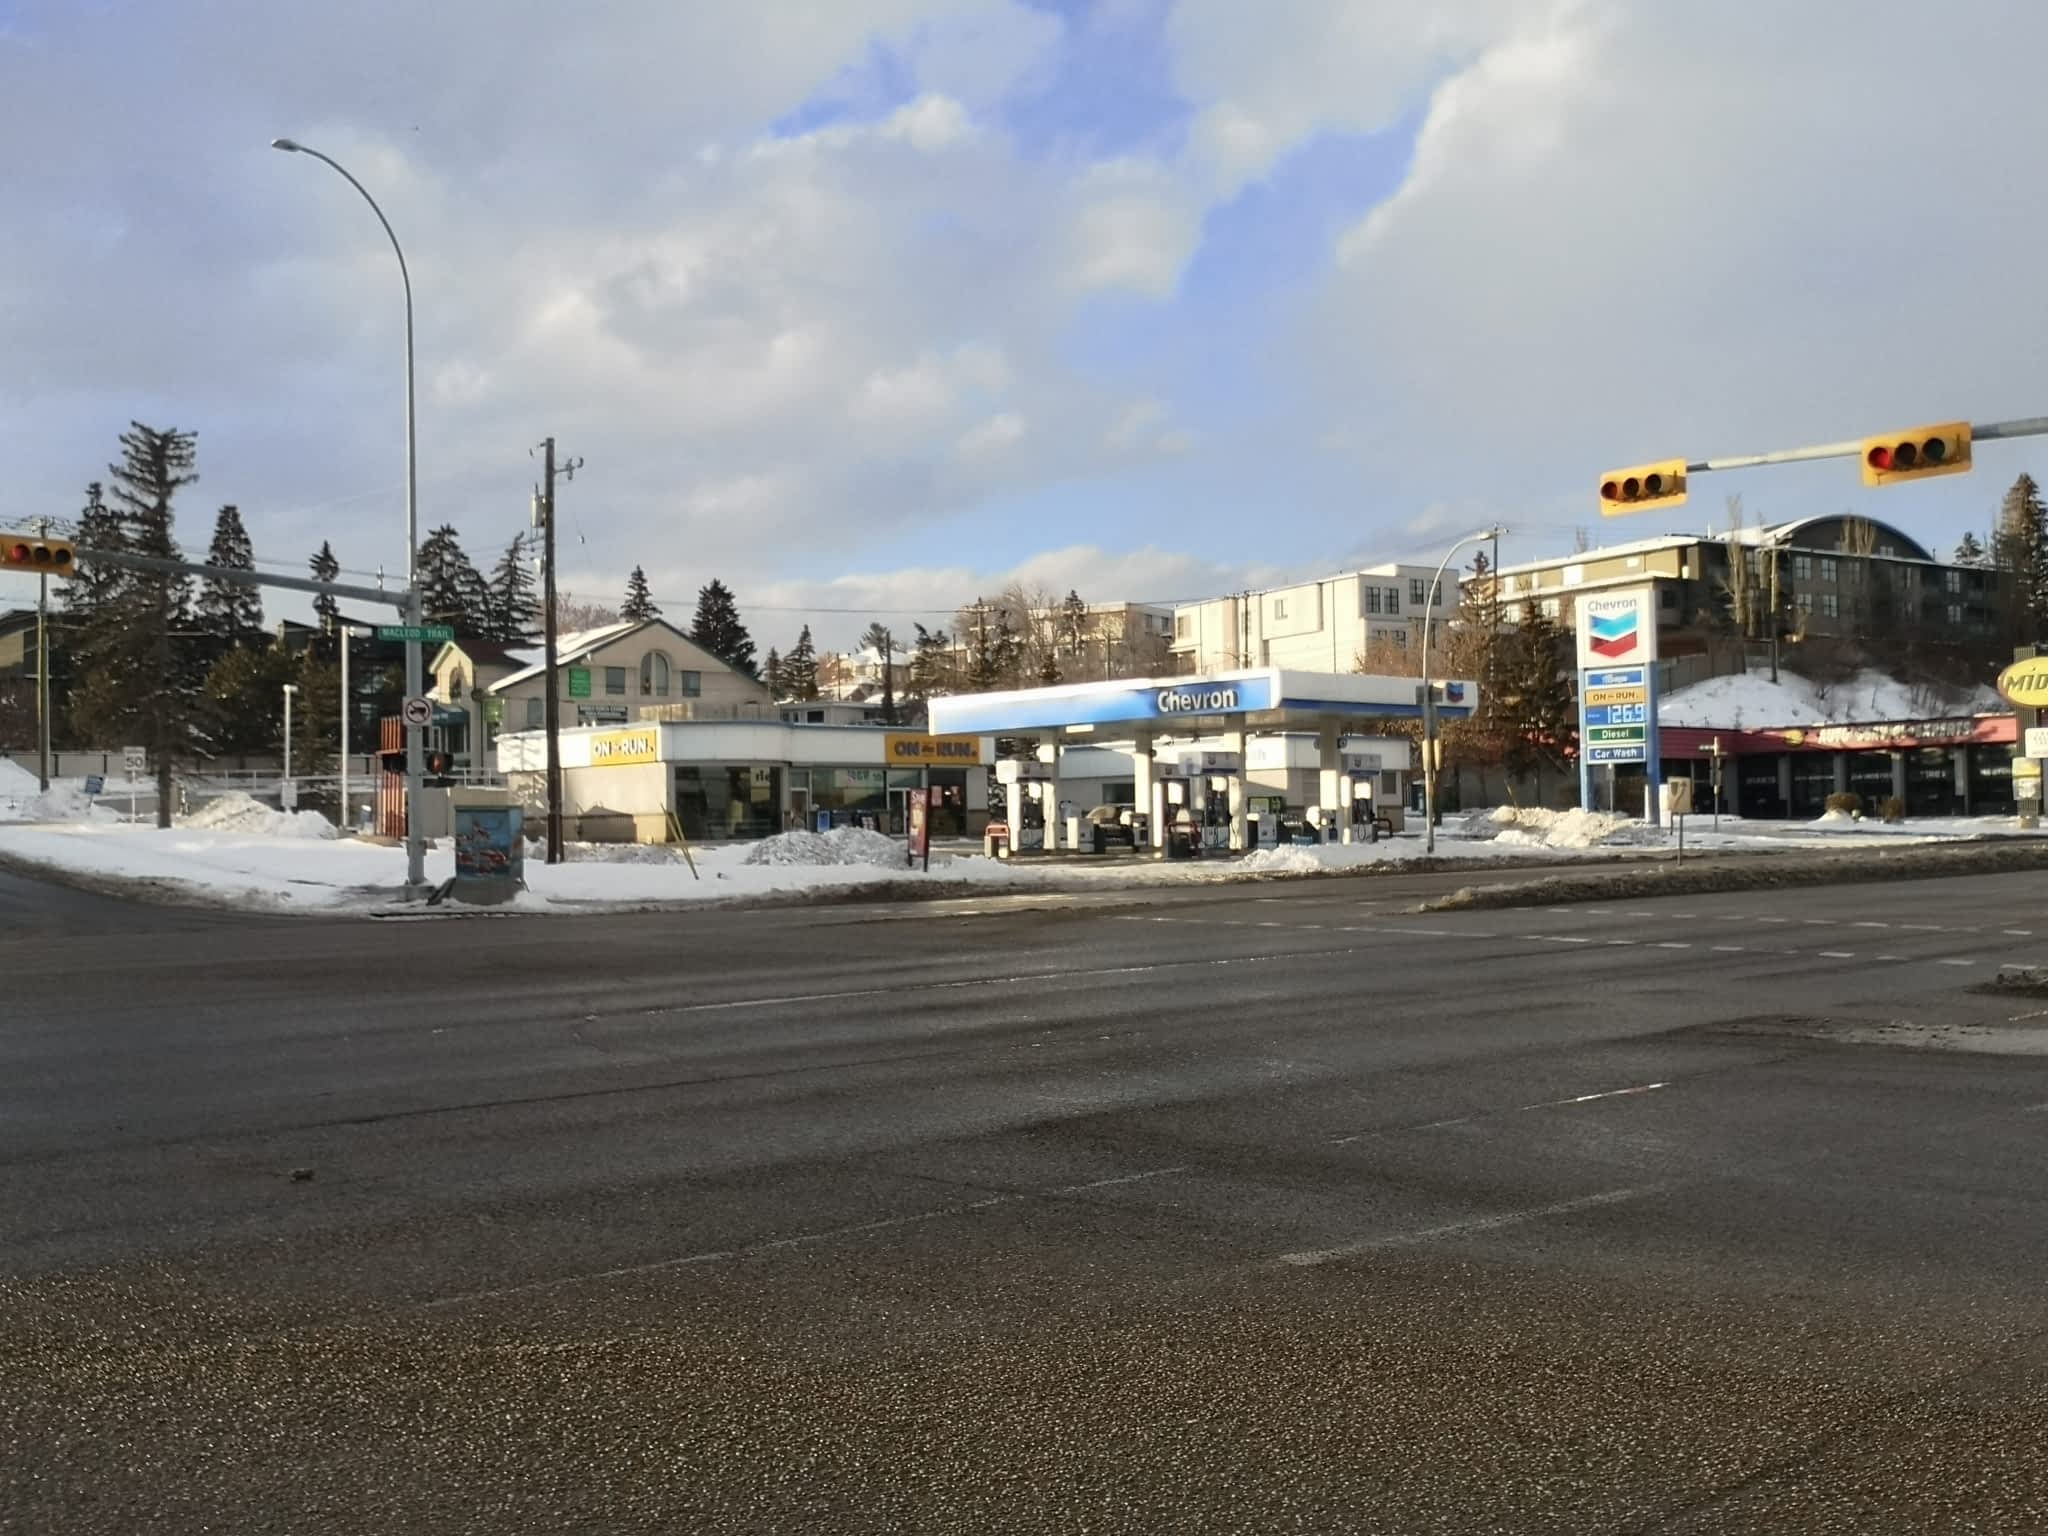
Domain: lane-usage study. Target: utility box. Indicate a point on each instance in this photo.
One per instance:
(490, 846)
(1675, 797)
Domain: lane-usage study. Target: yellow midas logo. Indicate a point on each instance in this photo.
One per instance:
(2025, 683)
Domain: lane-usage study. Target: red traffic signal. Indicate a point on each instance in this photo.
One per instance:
(48, 557)
(1943, 449)
(1645, 488)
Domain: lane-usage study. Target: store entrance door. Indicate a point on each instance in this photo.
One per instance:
(899, 812)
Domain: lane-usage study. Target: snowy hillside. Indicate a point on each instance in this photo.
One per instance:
(1754, 701)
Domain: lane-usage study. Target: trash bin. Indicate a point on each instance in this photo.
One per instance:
(995, 841)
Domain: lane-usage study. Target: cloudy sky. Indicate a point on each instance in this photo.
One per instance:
(866, 304)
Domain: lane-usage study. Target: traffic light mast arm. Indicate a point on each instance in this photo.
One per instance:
(2025, 426)
(122, 560)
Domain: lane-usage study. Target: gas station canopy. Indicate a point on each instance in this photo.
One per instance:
(1261, 698)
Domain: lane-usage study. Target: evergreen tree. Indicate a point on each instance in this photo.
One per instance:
(1538, 716)
(93, 586)
(137, 679)
(931, 664)
(994, 648)
(878, 639)
(1073, 628)
(229, 612)
(772, 675)
(1049, 668)
(244, 696)
(513, 608)
(800, 668)
(639, 605)
(1970, 551)
(452, 590)
(717, 627)
(2022, 550)
(325, 568)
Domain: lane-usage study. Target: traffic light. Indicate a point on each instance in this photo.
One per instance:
(438, 765)
(1642, 489)
(1916, 454)
(47, 557)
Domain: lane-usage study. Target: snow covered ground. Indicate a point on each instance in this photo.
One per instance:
(251, 855)
(1753, 701)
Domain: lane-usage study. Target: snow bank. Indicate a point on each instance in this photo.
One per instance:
(1753, 701)
(22, 800)
(17, 780)
(1534, 827)
(842, 845)
(246, 817)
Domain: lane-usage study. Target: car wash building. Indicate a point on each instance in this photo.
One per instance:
(1188, 742)
(1952, 766)
(728, 780)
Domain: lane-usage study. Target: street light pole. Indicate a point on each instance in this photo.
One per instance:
(289, 690)
(415, 665)
(347, 708)
(1429, 747)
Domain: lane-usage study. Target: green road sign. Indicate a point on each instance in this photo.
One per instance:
(1617, 734)
(579, 682)
(424, 633)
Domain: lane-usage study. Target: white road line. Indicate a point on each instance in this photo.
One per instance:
(2017, 933)
(1836, 954)
(1311, 1256)
(1922, 927)
(1774, 919)
(1735, 917)
(1599, 911)
(1622, 943)
(1587, 1098)
(1955, 962)
(1818, 922)
(1727, 949)
(1891, 957)
(1870, 925)
(801, 1239)
(1669, 945)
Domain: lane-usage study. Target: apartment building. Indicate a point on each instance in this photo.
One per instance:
(1321, 626)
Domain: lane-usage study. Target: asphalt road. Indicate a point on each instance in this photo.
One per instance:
(1269, 1208)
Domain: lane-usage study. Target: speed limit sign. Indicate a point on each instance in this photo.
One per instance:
(418, 712)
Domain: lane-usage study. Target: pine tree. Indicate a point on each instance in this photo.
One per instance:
(639, 605)
(878, 638)
(772, 676)
(931, 664)
(244, 697)
(800, 668)
(1049, 669)
(514, 608)
(1970, 551)
(2022, 550)
(1538, 715)
(229, 612)
(717, 627)
(325, 568)
(93, 586)
(138, 677)
(452, 590)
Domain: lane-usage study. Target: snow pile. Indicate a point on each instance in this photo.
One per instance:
(64, 802)
(247, 817)
(1534, 827)
(842, 845)
(17, 780)
(1282, 861)
(613, 853)
(1753, 701)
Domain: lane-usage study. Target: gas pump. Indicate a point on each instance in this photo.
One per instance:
(1179, 783)
(1360, 772)
(1208, 775)
(1026, 785)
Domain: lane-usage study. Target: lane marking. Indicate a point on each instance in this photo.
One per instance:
(1870, 925)
(800, 1240)
(2017, 933)
(1727, 949)
(1774, 919)
(1311, 1256)
(1818, 922)
(1836, 954)
(1623, 943)
(1955, 962)
(1489, 1114)
(1922, 927)
(1668, 945)
(1891, 957)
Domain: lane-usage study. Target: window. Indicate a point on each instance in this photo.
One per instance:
(1952, 581)
(1830, 605)
(1550, 607)
(1802, 567)
(1372, 599)
(1279, 607)
(456, 686)
(1183, 625)
(615, 680)
(1853, 577)
(1667, 597)
(1955, 613)
(692, 684)
(814, 717)
(1418, 592)
(1399, 637)
(1393, 599)
(1803, 602)
(536, 713)
(1830, 568)
(654, 674)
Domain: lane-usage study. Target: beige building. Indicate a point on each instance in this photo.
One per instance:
(1320, 626)
(607, 676)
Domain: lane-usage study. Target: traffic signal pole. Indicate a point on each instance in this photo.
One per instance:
(1990, 431)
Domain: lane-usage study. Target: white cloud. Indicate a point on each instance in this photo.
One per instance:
(997, 434)
(1134, 230)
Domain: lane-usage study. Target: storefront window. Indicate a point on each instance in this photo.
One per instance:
(615, 680)
(949, 802)
(1813, 780)
(849, 789)
(729, 803)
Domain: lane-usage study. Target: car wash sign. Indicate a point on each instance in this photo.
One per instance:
(1617, 646)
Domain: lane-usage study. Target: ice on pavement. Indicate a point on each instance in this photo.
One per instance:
(842, 845)
(241, 813)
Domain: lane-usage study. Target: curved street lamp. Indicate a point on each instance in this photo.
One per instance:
(415, 667)
(1429, 688)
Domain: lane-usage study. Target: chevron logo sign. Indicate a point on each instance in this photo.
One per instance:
(1615, 636)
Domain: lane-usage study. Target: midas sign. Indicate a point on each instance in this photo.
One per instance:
(617, 749)
(931, 751)
(2025, 683)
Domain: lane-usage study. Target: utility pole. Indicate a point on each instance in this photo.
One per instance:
(553, 704)
(43, 668)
